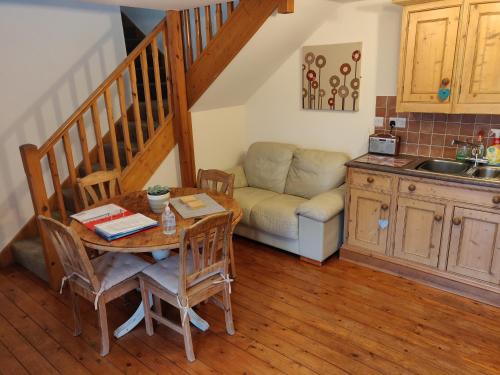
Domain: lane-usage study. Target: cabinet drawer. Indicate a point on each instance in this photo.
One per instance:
(451, 193)
(370, 181)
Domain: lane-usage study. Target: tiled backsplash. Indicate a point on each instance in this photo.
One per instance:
(430, 134)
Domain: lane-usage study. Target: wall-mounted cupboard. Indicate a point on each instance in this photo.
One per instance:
(449, 56)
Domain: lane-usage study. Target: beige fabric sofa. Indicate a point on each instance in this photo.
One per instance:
(292, 198)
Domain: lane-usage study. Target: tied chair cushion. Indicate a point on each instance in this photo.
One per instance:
(111, 268)
(166, 272)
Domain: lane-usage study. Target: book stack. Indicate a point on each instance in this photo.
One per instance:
(112, 222)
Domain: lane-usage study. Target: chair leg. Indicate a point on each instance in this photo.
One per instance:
(103, 324)
(188, 343)
(228, 310)
(75, 302)
(157, 305)
(147, 308)
(231, 256)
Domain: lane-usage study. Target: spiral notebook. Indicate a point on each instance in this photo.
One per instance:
(112, 222)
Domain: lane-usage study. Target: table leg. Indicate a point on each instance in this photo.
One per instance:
(138, 315)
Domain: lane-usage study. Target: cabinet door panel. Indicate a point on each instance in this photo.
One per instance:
(429, 54)
(475, 245)
(480, 81)
(366, 209)
(419, 227)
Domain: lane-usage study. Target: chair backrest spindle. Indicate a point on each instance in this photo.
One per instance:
(71, 252)
(215, 180)
(99, 186)
(208, 243)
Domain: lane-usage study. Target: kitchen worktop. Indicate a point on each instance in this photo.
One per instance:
(406, 164)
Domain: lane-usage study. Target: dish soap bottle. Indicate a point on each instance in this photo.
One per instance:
(493, 152)
(168, 221)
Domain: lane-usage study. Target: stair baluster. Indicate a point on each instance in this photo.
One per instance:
(116, 147)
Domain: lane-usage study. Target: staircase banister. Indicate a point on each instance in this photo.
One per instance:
(232, 36)
(102, 87)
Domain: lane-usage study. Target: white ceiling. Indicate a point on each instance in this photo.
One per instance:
(156, 4)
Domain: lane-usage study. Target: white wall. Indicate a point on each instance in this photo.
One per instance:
(219, 137)
(219, 143)
(274, 111)
(169, 172)
(54, 54)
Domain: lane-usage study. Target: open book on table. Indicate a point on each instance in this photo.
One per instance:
(112, 222)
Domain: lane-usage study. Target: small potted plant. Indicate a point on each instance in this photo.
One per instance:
(158, 197)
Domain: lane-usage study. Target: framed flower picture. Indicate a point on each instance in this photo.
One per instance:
(331, 77)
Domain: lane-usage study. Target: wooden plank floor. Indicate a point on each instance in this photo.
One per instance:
(290, 318)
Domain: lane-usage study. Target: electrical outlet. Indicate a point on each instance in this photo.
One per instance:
(400, 121)
(378, 122)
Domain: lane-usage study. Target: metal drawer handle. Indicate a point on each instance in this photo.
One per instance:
(496, 199)
(438, 217)
(370, 180)
(412, 187)
(384, 207)
(457, 221)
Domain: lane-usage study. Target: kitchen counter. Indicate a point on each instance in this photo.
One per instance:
(406, 164)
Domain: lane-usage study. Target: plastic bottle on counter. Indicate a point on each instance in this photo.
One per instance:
(493, 152)
(168, 221)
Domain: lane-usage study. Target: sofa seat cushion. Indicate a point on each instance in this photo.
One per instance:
(248, 197)
(313, 172)
(266, 165)
(277, 216)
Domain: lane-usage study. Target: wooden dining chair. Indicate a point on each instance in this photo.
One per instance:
(99, 280)
(221, 182)
(199, 272)
(99, 186)
(215, 180)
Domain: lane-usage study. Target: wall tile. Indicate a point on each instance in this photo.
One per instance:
(412, 137)
(431, 134)
(439, 127)
(426, 126)
(381, 101)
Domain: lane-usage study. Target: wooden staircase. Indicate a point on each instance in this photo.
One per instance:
(135, 118)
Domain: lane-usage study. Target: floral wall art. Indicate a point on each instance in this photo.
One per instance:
(331, 77)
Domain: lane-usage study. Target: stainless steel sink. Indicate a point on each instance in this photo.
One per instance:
(487, 172)
(444, 166)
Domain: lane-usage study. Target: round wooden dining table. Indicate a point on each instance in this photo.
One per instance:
(152, 239)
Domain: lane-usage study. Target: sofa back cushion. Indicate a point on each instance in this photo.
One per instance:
(267, 164)
(313, 172)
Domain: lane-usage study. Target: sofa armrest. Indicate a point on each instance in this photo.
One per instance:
(323, 206)
(240, 179)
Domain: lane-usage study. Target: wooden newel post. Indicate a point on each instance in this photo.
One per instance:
(36, 184)
(182, 116)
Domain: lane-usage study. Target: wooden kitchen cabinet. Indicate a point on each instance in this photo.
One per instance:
(451, 44)
(444, 233)
(427, 56)
(419, 227)
(368, 210)
(475, 244)
(479, 89)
